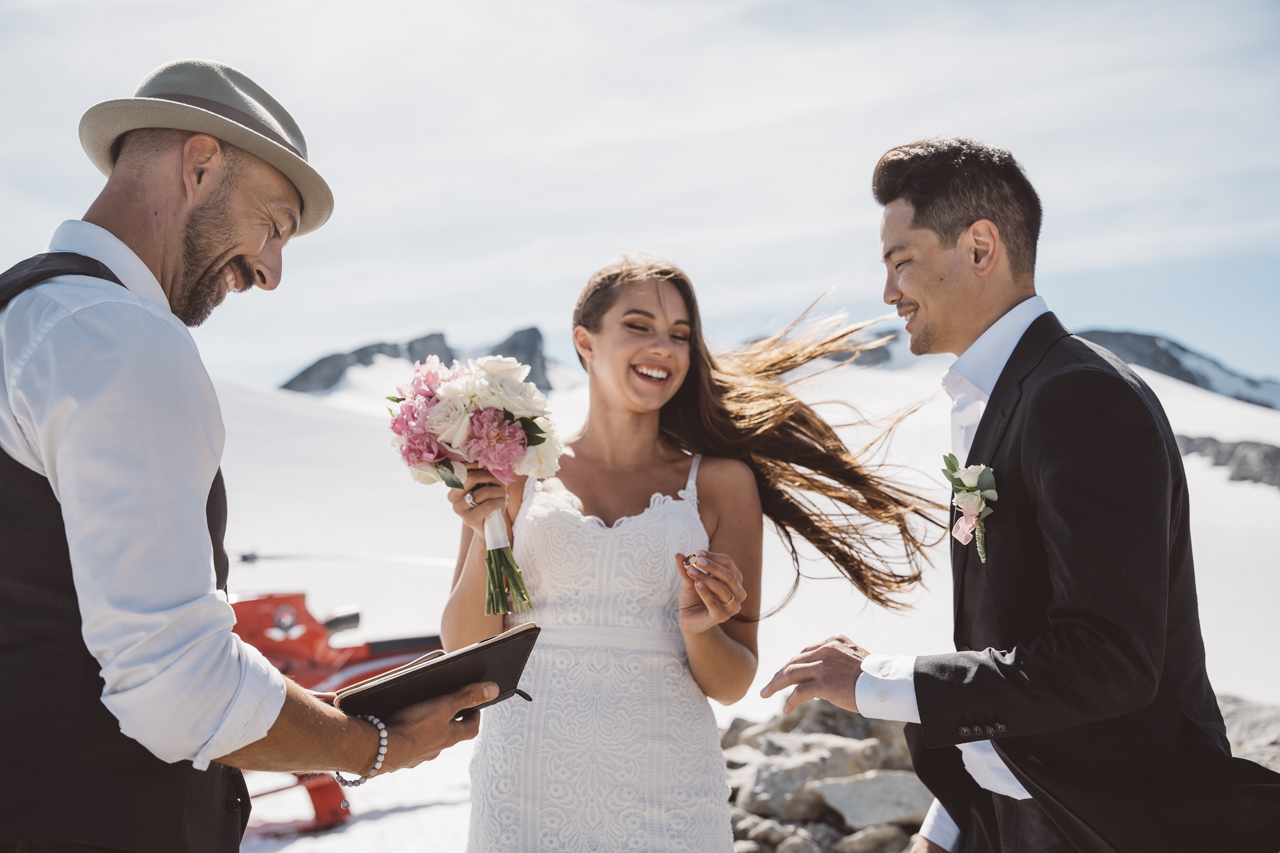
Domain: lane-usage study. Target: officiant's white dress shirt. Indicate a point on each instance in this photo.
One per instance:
(886, 688)
(103, 392)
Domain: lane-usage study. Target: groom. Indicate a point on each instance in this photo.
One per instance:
(1075, 713)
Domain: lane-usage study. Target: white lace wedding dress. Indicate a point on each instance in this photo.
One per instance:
(618, 749)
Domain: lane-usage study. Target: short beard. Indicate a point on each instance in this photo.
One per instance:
(208, 228)
(922, 342)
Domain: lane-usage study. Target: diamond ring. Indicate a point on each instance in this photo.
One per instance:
(471, 502)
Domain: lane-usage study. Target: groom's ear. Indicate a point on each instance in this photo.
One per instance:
(983, 247)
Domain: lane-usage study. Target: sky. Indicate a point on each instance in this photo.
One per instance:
(488, 156)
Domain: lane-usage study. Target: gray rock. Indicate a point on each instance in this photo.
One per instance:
(433, 344)
(743, 845)
(1250, 461)
(365, 355)
(874, 839)
(782, 743)
(875, 797)
(776, 786)
(799, 844)
(525, 346)
(819, 715)
(320, 376)
(751, 734)
(826, 836)
(743, 822)
(1253, 729)
(729, 737)
(742, 755)
(769, 832)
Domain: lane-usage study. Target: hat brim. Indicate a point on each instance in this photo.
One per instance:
(104, 122)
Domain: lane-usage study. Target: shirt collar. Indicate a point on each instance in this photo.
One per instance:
(982, 363)
(85, 238)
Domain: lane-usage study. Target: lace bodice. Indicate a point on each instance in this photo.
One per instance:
(582, 573)
(619, 749)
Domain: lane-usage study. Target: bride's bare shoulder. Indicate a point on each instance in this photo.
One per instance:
(725, 476)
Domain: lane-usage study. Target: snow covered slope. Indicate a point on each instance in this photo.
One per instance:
(316, 478)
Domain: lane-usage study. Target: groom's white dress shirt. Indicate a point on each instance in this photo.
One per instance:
(886, 688)
(103, 392)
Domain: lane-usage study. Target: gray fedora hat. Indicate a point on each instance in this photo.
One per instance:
(203, 96)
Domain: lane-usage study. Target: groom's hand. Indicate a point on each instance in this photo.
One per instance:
(828, 671)
(421, 732)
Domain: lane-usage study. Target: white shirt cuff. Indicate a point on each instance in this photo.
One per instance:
(939, 828)
(886, 688)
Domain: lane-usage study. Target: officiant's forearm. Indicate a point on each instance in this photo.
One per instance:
(723, 667)
(309, 736)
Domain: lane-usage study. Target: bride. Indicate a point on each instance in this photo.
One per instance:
(642, 558)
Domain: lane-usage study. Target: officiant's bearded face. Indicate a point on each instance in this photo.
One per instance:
(234, 215)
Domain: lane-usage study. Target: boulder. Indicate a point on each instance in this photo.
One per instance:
(799, 844)
(875, 797)
(729, 737)
(776, 784)
(742, 845)
(874, 839)
(819, 715)
(769, 832)
(1253, 729)
(743, 822)
(826, 836)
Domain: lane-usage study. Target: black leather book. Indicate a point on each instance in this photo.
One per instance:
(499, 659)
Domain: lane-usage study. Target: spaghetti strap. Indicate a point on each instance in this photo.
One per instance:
(692, 486)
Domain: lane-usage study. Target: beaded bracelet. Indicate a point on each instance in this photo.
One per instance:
(377, 765)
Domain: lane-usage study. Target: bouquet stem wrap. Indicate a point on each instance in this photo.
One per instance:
(506, 592)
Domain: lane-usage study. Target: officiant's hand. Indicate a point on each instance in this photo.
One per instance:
(828, 671)
(487, 495)
(421, 732)
(711, 590)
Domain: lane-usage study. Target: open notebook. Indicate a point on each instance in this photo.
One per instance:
(499, 659)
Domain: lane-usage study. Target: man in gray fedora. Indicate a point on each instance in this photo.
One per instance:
(127, 701)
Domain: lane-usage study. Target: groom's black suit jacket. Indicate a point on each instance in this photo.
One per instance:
(1078, 642)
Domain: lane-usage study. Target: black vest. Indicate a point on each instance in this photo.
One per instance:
(67, 773)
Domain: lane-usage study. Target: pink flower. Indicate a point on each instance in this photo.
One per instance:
(428, 376)
(495, 444)
(410, 423)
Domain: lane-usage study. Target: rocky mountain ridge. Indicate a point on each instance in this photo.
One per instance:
(524, 346)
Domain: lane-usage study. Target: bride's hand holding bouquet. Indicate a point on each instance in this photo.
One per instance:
(473, 427)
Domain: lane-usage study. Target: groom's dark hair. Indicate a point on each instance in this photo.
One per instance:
(952, 183)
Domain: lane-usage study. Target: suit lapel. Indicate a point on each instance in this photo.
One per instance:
(1027, 355)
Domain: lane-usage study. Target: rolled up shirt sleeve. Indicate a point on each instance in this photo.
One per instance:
(886, 688)
(122, 416)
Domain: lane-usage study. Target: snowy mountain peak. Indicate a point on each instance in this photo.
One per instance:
(325, 374)
(1173, 359)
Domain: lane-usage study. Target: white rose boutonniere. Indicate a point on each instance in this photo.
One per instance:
(973, 487)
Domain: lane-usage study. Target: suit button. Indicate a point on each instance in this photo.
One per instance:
(1000, 728)
(233, 803)
(990, 732)
(965, 731)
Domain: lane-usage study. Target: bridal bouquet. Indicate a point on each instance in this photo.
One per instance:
(484, 414)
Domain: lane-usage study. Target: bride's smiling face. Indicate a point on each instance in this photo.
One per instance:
(640, 355)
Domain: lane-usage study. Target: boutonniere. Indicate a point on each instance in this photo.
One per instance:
(973, 487)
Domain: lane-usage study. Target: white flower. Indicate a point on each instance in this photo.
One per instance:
(969, 503)
(522, 399)
(425, 474)
(542, 460)
(497, 365)
(969, 476)
(450, 420)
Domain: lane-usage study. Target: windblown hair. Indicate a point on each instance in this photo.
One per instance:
(952, 183)
(737, 405)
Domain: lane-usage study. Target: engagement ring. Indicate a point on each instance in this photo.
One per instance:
(470, 500)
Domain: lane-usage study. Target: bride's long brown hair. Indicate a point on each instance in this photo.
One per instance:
(736, 405)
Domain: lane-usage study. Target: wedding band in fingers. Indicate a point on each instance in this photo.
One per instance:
(471, 501)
